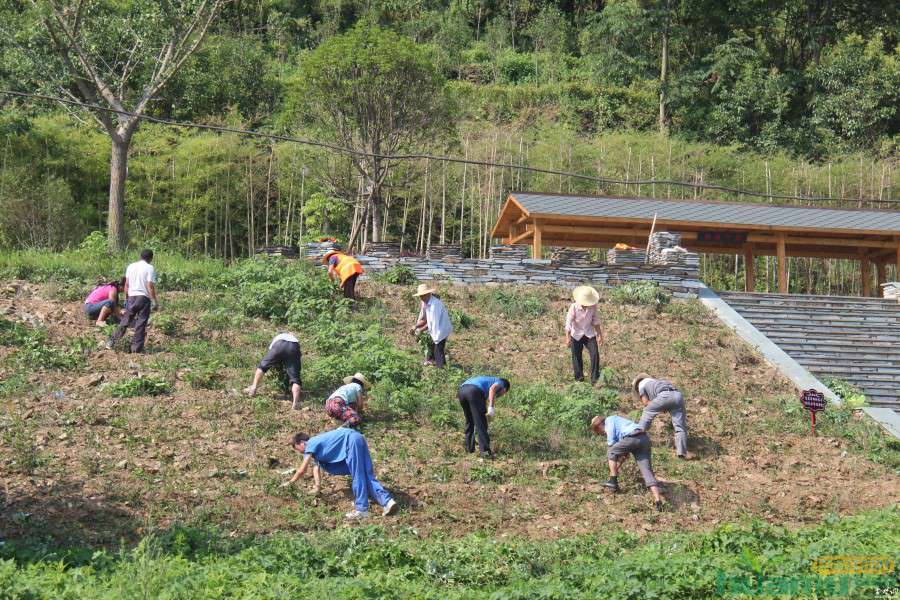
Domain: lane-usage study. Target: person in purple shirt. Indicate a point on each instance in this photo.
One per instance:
(343, 451)
(476, 395)
(624, 437)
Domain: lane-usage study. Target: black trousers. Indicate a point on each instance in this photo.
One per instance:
(349, 286)
(474, 405)
(136, 314)
(593, 352)
(288, 355)
(437, 352)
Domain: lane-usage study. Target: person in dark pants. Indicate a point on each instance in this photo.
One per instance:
(140, 294)
(583, 331)
(434, 318)
(345, 268)
(658, 396)
(624, 437)
(285, 351)
(476, 396)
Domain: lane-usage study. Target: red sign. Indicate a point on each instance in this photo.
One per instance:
(812, 400)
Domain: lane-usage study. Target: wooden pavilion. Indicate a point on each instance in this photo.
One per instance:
(870, 236)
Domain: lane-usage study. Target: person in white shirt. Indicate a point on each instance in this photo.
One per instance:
(285, 351)
(583, 330)
(433, 316)
(140, 299)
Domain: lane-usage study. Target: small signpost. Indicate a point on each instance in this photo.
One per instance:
(813, 401)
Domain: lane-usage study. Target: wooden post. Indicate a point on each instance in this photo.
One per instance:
(865, 275)
(536, 248)
(898, 259)
(782, 265)
(749, 275)
(881, 269)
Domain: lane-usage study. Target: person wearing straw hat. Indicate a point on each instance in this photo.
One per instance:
(583, 330)
(343, 451)
(658, 396)
(344, 267)
(433, 316)
(624, 437)
(348, 401)
(284, 350)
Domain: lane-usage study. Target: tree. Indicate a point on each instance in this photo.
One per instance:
(378, 94)
(120, 55)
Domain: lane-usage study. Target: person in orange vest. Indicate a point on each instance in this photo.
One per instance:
(346, 268)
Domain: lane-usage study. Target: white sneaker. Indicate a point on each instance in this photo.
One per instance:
(389, 508)
(357, 515)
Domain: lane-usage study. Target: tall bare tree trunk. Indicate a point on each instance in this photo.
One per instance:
(118, 170)
(664, 71)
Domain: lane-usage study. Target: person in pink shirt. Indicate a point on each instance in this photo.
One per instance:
(583, 330)
(103, 302)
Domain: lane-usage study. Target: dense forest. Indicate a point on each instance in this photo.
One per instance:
(782, 97)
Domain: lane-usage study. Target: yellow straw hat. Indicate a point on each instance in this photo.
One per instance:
(360, 378)
(585, 295)
(423, 289)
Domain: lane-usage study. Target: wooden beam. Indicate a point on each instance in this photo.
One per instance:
(782, 265)
(537, 248)
(663, 224)
(749, 274)
(522, 236)
(865, 275)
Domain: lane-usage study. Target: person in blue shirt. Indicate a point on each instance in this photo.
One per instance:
(343, 451)
(476, 395)
(624, 437)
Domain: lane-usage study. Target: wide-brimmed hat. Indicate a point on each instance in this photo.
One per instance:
(328, 255)
(423, 289)
(637, 381)
(360, 378)
(585, 295)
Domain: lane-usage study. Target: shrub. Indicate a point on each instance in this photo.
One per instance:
(167, 323)
(139, 386)
(641, 293)
(461, 321)
(846, 391)
(571, 409)
(206, 375)
(399, 275)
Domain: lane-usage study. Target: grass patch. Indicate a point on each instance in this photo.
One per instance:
(640, 293)
(364, 562)
(139, 386)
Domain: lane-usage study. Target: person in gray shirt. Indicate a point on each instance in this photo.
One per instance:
(658, 396)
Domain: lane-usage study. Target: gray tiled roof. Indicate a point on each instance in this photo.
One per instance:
(795, 217)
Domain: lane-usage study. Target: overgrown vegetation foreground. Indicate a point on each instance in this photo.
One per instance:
(731, 561)
(164, 443)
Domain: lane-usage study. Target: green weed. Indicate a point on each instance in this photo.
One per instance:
(18, 437)
(398, 275)
(139, 386)
(512, 303)
(640, 293)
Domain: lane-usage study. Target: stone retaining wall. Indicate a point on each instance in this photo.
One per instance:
(507, 267)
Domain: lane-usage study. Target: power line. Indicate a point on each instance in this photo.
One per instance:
(452, 159)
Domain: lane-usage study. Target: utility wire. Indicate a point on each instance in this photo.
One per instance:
(452, 159)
